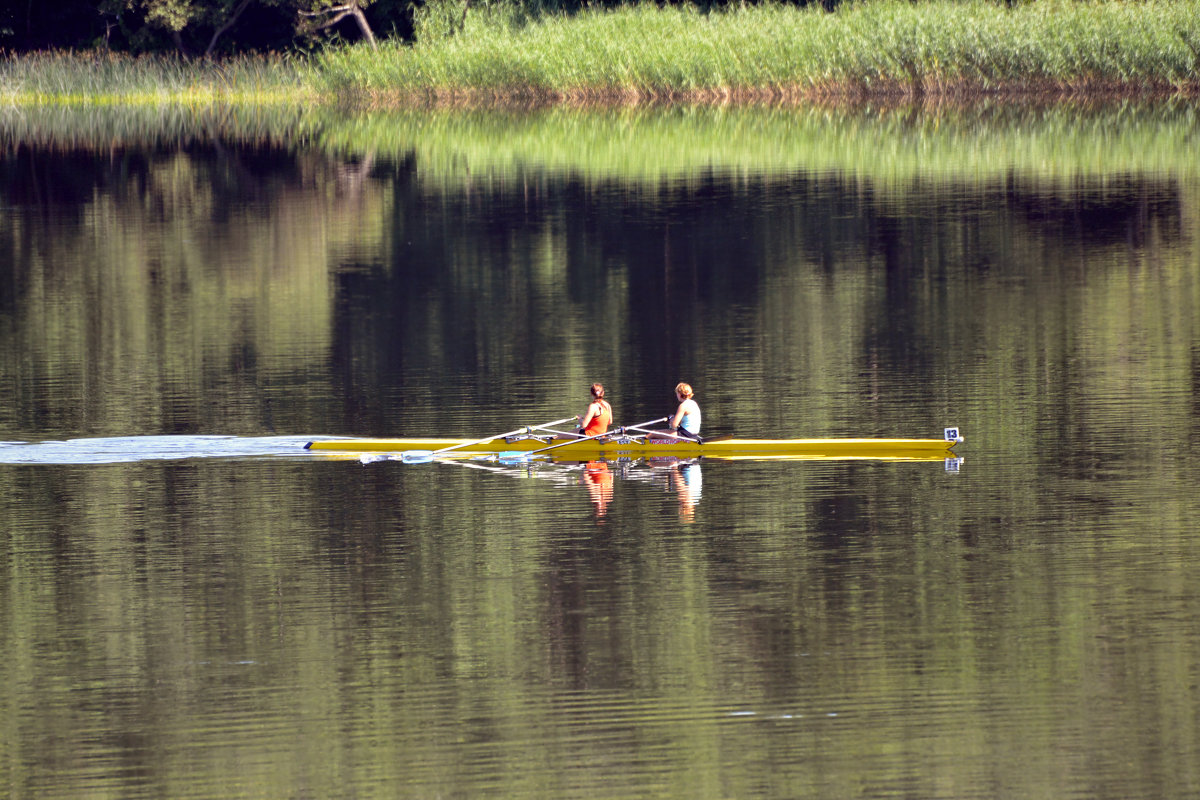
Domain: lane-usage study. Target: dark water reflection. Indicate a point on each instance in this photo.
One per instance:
(217, 613)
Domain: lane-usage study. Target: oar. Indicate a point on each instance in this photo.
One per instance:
(689, 438)
(420, 456)
(511, 454)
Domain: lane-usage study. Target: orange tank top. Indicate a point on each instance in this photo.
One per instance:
(600, 422)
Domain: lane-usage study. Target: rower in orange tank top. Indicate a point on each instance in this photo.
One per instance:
(599, 414)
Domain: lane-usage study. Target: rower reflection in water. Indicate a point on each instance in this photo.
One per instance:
(598, 479)
(683, 477)
(688, 482)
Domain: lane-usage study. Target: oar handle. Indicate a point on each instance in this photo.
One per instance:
(615, 432)
(522, 429)
(668, 434)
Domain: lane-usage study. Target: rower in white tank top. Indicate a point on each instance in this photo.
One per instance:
(686, 420)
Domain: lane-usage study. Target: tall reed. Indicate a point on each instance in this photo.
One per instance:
(101, 78)
(884, 46)
(506, 50)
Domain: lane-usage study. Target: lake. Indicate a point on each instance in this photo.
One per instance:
(196, 606)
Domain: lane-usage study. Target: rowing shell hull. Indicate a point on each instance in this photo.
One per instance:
(719, 448)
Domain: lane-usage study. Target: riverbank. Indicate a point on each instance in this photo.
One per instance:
(876, 50)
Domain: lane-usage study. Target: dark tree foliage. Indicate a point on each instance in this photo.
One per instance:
(139, 26)
(195, 27)
(36, 26)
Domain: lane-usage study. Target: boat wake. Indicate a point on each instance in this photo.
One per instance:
(126, 449)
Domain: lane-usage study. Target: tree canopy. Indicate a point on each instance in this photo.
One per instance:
(195, 27)
(212, 27)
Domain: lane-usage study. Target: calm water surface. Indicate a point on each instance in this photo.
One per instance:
(194, 606)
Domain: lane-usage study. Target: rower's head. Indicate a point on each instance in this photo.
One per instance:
(683, 391)
(598, 391)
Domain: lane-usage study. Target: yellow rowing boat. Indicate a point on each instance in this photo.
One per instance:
(623, 444)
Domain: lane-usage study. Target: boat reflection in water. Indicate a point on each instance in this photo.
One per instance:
(682, 476)
(598, 476)
(594, 463)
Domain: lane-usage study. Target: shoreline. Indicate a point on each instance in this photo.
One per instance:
(880, 51)
(892, 95)
(887, 94)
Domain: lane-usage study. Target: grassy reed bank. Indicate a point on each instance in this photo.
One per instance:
(873, 48)
(100, 78)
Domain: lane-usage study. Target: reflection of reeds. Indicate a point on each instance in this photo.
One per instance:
(871, 49)
(890, 144)
(891, 147)
(101, 78)
(101, 127)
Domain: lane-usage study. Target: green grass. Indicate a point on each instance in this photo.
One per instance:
(101, 78)
(884, 47)
(873, 49)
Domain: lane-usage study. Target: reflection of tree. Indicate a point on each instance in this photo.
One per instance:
(170, 285)
(807, 283)
(198, 285)
(824, 288)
